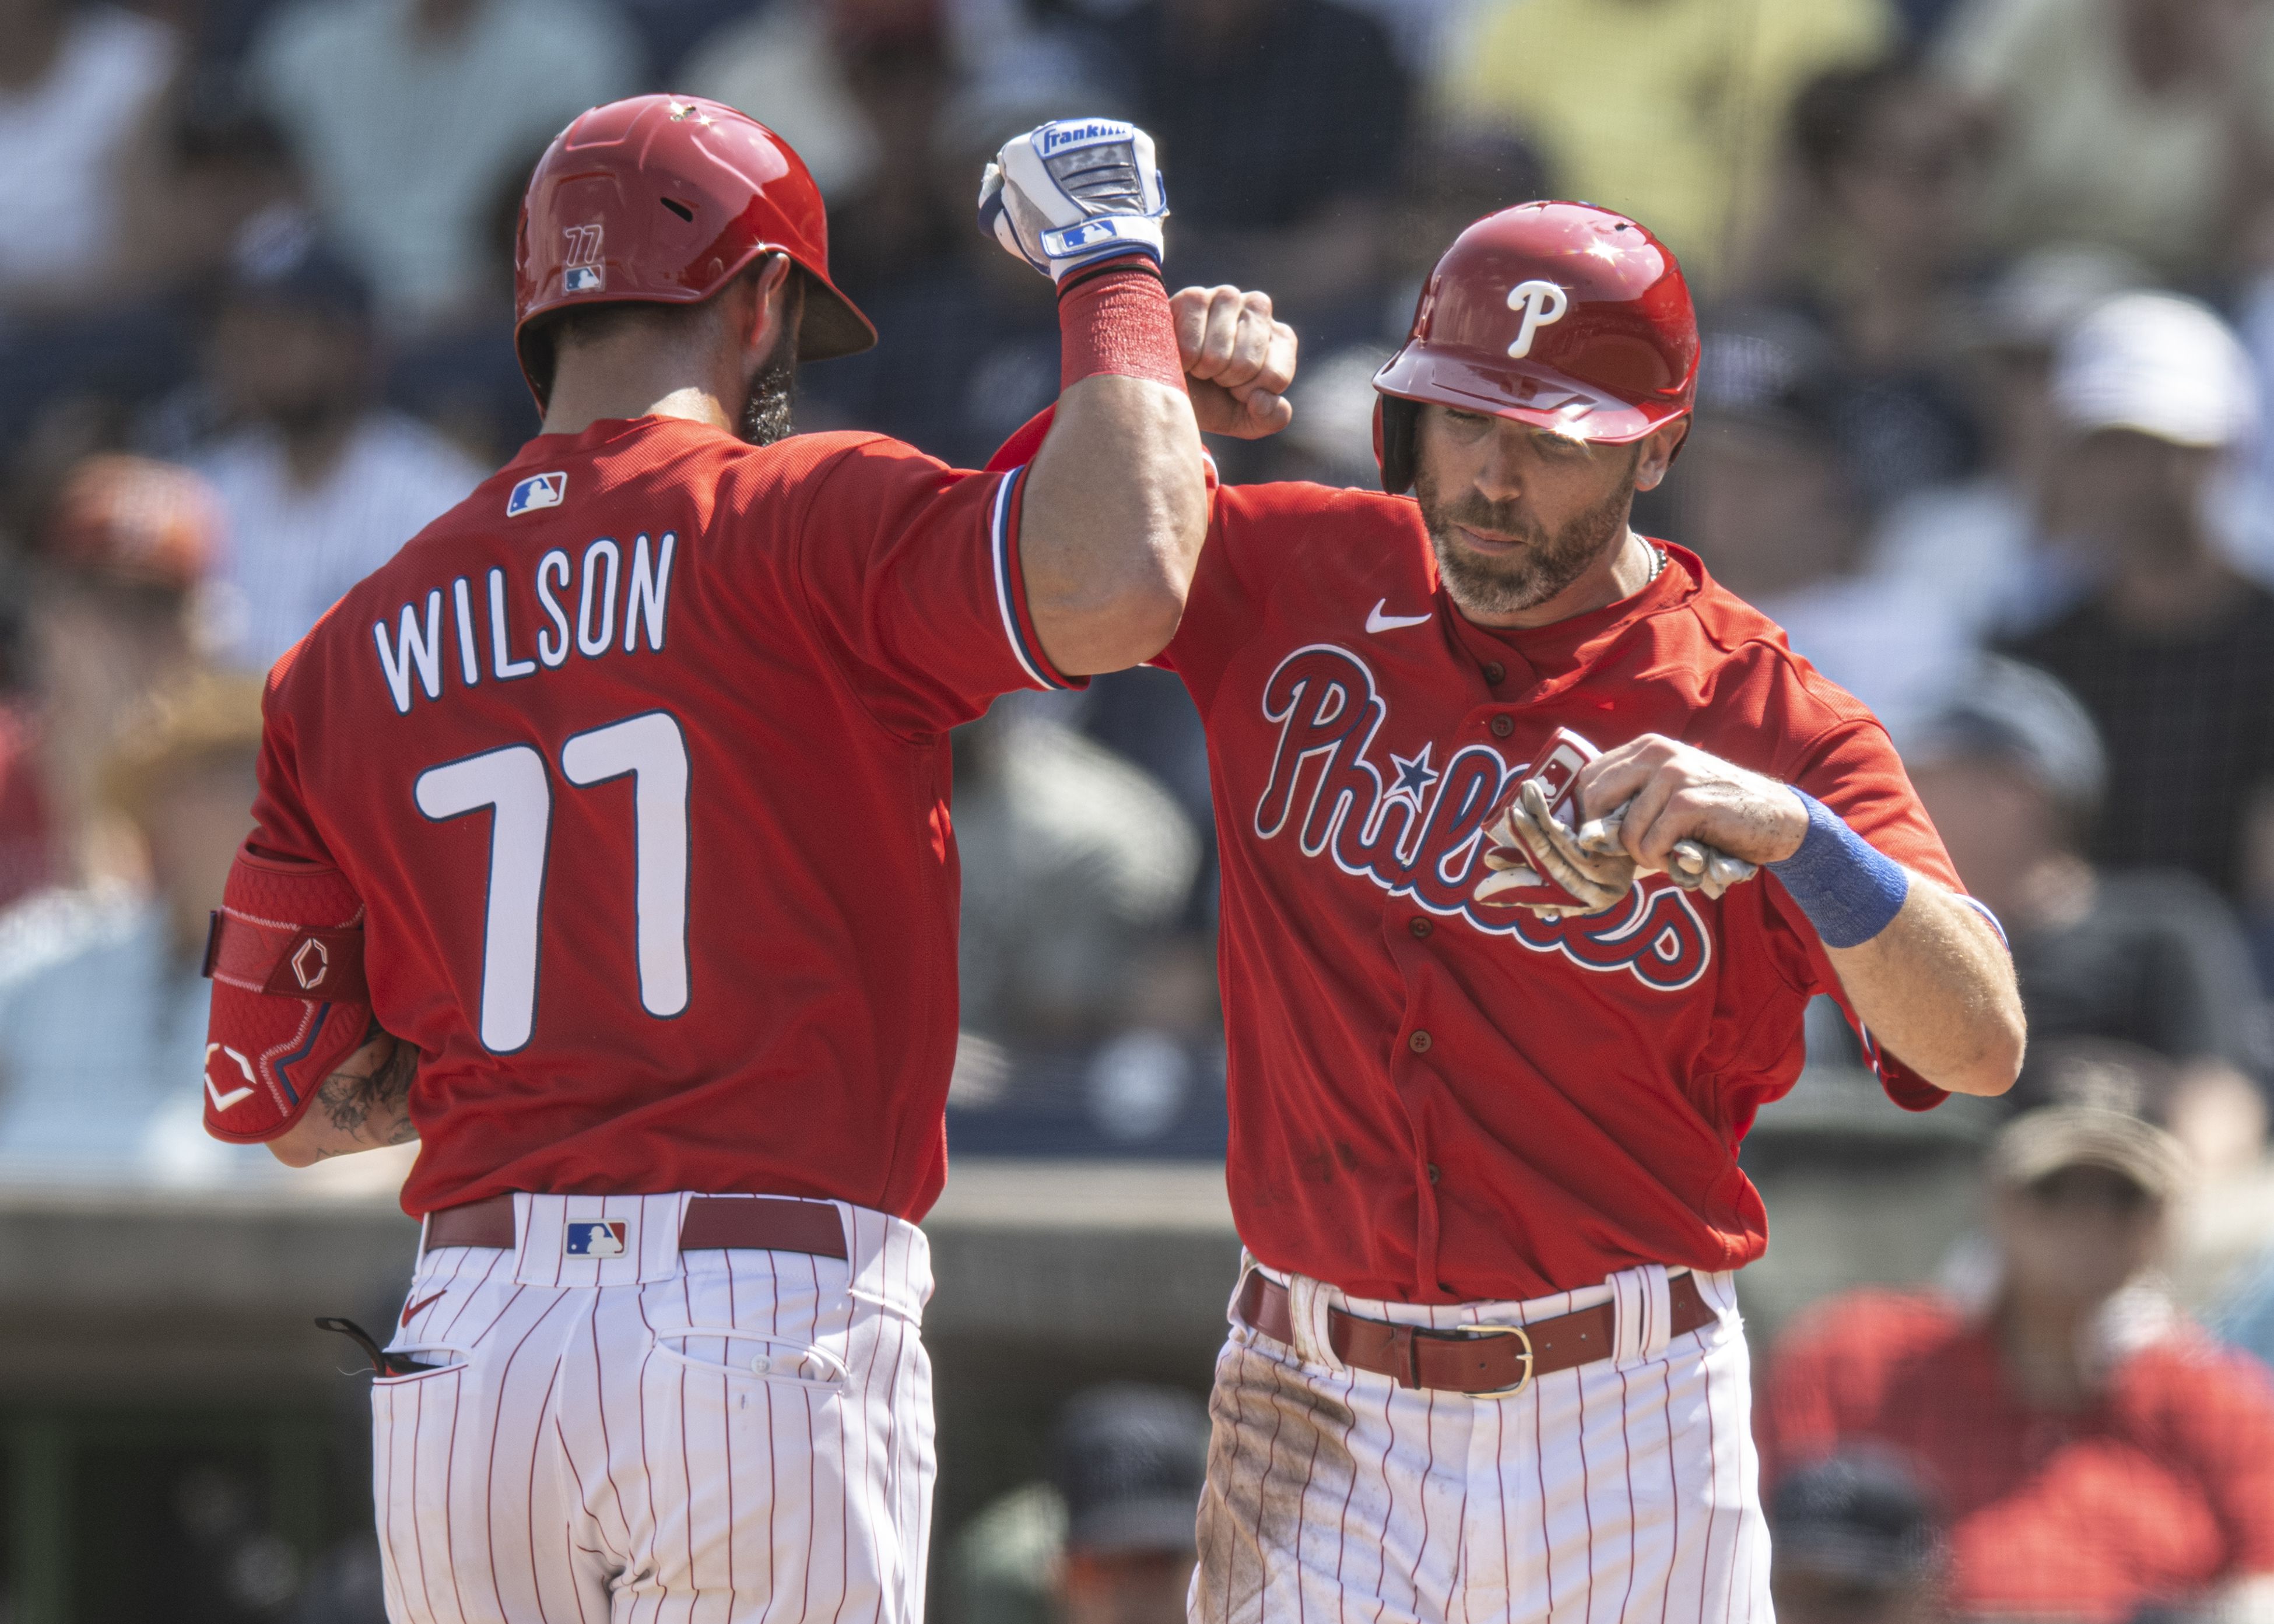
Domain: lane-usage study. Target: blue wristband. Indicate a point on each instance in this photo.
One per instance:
(1849, 891)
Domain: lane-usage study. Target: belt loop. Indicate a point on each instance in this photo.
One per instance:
(1402, 1341)
(1642, 1316)
(1308, 1302)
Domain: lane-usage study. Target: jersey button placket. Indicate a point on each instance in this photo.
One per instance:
(1419, 927)
(1502, 725)
(1495, 672)
(1420, 1043)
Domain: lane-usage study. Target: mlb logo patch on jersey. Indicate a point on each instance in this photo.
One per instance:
(609, 1238)
(537, 491)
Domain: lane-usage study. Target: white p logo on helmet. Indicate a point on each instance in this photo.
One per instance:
(1542, 302)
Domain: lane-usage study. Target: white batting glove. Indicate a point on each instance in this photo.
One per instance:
(1072, 191)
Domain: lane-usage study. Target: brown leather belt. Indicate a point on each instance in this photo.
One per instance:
(753, 1223)
(1483, 1360)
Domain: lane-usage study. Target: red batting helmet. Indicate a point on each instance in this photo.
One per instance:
(1563, 315)
(664, 200)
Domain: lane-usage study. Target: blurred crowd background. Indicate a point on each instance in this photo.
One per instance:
(1988, 295)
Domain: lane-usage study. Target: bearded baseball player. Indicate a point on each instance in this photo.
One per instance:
(603, 847)
(1494, 776)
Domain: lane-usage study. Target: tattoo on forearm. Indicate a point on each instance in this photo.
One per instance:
(368, 1098)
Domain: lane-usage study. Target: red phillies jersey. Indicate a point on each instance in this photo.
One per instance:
(637, 758)
(2163, 1488)
(1436, 1101)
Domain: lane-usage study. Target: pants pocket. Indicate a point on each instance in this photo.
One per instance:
(414, 1422)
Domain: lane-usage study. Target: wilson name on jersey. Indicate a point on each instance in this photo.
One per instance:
(603, 588)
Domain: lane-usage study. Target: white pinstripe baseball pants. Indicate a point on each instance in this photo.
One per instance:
(1625, 1490)
(644, 1437)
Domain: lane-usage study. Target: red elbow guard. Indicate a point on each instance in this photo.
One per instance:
(289, 1002)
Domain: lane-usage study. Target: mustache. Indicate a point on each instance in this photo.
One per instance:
(1507, 519)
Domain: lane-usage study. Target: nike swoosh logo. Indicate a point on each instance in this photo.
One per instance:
(418, 1308)
(223, 1101)
(1378, 621)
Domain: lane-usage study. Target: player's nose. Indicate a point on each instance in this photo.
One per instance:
(1500, 475)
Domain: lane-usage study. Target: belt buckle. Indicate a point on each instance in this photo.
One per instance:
(1517, 1331)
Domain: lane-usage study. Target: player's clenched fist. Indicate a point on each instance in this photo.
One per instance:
(1237, 360)
(1673, 792)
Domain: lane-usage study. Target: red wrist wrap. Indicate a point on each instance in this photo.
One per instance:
(1117, 320)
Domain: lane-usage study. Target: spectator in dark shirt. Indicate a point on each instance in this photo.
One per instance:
(2012, 772)
(1286, 121)
(2173, 655)
(1888, 166)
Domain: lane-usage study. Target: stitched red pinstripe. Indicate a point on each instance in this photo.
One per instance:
(449, 1479)
(1744, 1545)
(647, 1469)
(812, 1449)
(1389, 1507)
(1634, 1535)
(1539, 1467)
(583, 1501)
(1303, 1523)
(1500, 1495)
(1674, 1491)
(1586, 1491)
(773, 1486)
(417, 1534)
(1239, 1461)
(1428, 1470)
(1263, 1488)
(472, 1292)
(607, 1447)
(1713, 1492)
(1349, 1405)
(387, 1494)
(725, 1408)
(529, 1503)
(686, 1471)
(497, 1422)
(853, 1255)
(568, 1559)
(892, 1418)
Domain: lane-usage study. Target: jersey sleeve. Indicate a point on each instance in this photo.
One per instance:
(282, 824)
(911, 572)
(1853, 768)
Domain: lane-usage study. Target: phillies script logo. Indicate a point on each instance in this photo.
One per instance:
(1414, 830)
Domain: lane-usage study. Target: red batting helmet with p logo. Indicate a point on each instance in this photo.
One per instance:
(664, 200)
(1561, 315)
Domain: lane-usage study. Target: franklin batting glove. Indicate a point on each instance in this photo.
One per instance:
(1072, 191)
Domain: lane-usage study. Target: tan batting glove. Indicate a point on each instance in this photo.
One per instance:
(1694, 865)
(1534, 849)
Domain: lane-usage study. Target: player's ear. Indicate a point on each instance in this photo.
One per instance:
(772, 304)
(1658, 452)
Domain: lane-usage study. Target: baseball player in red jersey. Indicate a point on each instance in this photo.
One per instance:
(603, 846)
(1491, 1058)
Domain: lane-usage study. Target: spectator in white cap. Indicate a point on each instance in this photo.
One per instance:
(2173, 652)
(1989, 547)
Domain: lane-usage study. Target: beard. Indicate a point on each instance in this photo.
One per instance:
(1546, 563)
(766, 409)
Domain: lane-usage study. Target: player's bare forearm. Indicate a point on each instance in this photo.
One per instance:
(1937, 989)
(364, 1105)
(1116, 510)
(1935, 984)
